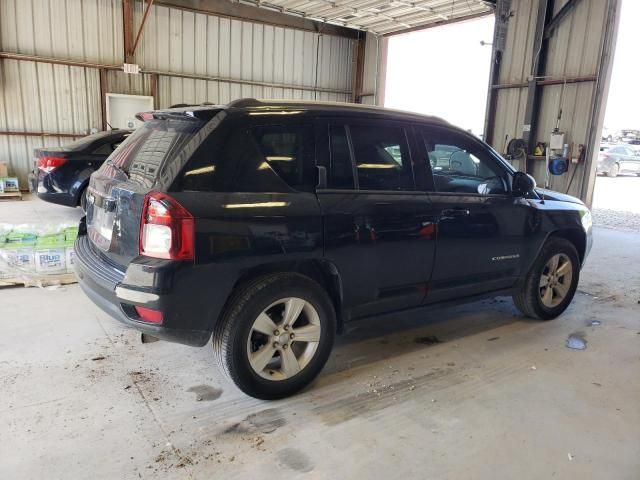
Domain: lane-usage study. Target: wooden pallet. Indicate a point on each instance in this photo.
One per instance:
(39, 280)
(11, 196)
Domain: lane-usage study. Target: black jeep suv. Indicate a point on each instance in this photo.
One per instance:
(269, 225)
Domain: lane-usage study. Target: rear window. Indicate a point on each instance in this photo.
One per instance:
(143, 155)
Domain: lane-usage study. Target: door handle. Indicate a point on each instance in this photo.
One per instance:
(455, 212)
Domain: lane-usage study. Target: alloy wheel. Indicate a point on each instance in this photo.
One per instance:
(284, 338)
(555, 280)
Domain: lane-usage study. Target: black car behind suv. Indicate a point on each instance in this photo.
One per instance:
(270, 225)
(61, 174)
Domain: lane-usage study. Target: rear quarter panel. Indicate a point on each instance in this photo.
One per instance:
(236, 232)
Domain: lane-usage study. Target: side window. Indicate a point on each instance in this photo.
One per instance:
(341, 168)
(289, 151)
(460, 165)
(381, 157)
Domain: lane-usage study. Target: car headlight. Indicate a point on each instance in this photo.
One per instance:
(587, 221)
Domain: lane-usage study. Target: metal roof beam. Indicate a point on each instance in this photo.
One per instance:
(241, 11)
(555, 22)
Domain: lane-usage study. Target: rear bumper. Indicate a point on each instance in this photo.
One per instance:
(105, 286)
(61, 198)
(50, 191)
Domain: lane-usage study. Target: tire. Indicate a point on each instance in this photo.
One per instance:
(82, 200)
(529, 296)
(613, 171)
(235, 336)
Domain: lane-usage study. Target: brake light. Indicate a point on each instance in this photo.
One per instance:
(149, 315)
(166, 228)
(49, 164)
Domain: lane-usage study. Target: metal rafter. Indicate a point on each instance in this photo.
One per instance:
(377, 16)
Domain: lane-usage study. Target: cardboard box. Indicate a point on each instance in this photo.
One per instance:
(10, 184)
(4, 170)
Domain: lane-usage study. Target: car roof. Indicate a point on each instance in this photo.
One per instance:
(333, 108)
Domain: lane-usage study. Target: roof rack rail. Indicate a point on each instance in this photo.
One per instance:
(244, 102)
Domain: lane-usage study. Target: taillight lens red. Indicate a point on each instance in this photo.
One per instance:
(49, 164)
(149, 315)
(166, 229)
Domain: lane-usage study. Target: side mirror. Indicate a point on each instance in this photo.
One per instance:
(523, 184)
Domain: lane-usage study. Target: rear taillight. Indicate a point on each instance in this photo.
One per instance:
(49, 164)
(166, 229)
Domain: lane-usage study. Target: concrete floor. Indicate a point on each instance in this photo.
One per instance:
(500, 396)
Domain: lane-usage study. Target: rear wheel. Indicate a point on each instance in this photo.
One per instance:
(551, 283)
(613, 171)
(276, 335)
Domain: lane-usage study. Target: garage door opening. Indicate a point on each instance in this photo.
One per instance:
(442, 71)
(616, 201)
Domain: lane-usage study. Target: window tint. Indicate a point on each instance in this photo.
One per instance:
(229, 161)
(341, 169)
(381, 157)
(143, 153)
(460, 165)
(289, 151)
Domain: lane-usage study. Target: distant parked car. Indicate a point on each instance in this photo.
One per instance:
(618, 159)
(61, 174)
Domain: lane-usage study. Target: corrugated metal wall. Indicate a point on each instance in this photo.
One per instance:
(371, 64)
(575, 50)
(198, 57)
(41, 97)
(86, 30)
(307, 63)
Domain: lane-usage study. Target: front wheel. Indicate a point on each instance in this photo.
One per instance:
(551, 283)
(276, 335)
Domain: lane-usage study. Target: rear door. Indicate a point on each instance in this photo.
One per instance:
(377, 226)
(482, 229)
